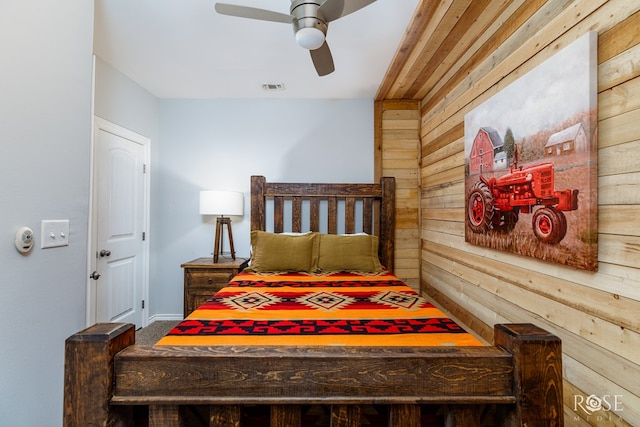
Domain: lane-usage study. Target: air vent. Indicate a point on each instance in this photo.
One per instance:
(273, 86)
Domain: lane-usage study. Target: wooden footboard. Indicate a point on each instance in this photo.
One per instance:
(106, 376)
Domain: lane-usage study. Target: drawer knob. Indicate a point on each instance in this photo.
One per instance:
(210, 281)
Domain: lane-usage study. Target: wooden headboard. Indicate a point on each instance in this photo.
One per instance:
(375, 202)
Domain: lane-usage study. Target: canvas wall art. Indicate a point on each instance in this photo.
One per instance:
(531, 162)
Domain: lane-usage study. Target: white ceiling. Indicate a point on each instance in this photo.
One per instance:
(184, 49)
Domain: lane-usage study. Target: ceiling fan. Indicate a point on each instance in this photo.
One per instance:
(310, 19)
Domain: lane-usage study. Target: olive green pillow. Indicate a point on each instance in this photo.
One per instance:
(349, 252)
(279, 252)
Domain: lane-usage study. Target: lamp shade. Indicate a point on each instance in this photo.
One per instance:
(221, 203)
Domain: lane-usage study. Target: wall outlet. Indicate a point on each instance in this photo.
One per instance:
(55, 233)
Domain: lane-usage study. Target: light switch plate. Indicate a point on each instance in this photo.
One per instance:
(55, 233)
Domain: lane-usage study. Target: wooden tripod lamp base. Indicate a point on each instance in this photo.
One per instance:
(217, 248)
(222, 203)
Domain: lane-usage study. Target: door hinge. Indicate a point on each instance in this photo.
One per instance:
(144, 236)
(144, 168)
(143, 304)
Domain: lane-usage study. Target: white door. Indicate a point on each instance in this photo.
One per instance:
(119, 218)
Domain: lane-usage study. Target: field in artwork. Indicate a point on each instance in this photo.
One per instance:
(578, 246)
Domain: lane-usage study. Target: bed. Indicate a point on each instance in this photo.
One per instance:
(327, 344)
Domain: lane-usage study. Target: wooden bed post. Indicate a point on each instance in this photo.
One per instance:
(537, 356)
(88, 377)
(387, 222)
(257, 202)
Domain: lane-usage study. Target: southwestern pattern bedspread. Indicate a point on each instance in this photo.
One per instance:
(342, 309)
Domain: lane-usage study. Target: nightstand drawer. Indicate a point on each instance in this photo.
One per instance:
(207, 278)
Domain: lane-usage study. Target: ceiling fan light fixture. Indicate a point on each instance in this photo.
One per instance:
(310, 38)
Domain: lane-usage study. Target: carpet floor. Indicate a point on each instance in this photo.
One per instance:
(150, 334)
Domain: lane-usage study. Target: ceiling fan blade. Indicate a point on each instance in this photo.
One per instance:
(334, 9)
(322, 60)
(252, 13)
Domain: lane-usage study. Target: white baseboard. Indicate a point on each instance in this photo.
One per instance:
(165, 317)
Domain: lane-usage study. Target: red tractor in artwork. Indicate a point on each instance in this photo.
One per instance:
(496, 203)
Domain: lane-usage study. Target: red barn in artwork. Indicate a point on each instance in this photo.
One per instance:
(486, 145)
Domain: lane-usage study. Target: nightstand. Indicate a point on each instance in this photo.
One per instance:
(203, 278)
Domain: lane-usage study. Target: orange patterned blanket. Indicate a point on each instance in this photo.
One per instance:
(297, 309)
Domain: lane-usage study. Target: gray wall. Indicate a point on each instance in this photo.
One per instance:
(45, 137)
(218, 145)
(124, 102)
(45, 133)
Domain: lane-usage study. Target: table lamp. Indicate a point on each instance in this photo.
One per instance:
(222, 203)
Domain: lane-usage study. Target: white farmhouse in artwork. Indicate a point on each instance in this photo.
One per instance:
(569, 140)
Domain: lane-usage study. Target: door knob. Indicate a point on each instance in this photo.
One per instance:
(104, 253)
(94, 275)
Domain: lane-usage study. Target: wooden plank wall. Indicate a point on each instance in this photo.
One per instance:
(458, 53)
(397, 154)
